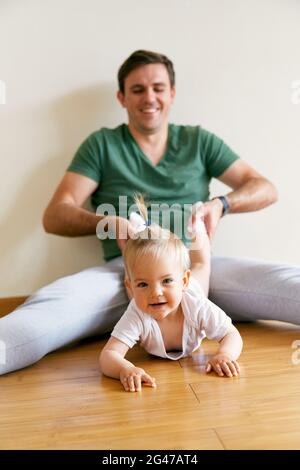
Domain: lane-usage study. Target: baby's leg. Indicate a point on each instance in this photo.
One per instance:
(201, 258)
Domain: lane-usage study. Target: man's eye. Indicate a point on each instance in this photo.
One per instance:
(168, 280)
(142, 284)
(159, 90)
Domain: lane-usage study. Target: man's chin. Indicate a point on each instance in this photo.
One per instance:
(150, 128)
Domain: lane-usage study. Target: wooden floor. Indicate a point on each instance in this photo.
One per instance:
(64, 403)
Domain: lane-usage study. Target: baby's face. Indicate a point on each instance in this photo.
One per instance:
(157, 286)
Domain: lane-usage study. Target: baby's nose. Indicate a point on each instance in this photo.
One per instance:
(156, 290)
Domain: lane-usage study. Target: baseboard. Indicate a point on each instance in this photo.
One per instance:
(8, 304)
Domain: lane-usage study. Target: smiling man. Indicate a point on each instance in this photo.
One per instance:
(170, 164)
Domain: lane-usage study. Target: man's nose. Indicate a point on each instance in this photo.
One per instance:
(149, 95)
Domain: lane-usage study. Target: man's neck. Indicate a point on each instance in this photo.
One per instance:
(152, 144)
(155, 139)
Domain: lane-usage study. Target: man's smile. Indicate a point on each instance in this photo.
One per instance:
(150, 110)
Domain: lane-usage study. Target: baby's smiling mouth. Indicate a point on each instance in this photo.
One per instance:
(158, 304)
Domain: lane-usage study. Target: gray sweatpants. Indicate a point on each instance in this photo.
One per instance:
(90, 302)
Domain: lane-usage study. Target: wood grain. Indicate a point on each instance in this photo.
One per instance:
(63, 402)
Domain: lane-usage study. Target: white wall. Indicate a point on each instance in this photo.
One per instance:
(235, 62)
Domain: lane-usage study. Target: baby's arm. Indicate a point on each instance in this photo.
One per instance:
(113, 364)
(224, 361)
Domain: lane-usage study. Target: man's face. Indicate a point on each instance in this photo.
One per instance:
(147, 97)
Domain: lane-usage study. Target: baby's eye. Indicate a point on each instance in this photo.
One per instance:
(168, 280)
(142, 284)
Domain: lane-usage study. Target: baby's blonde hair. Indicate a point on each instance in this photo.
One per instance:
(154, 241)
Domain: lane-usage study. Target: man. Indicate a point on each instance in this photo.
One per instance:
(170, 164)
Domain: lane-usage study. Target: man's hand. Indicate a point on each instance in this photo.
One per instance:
(223, 364)
(132, 379)
(211, 211)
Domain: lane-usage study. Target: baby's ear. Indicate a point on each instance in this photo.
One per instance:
(127, 282)
(186, 278)
(127, 285)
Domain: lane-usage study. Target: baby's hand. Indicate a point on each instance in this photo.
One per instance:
(223, 364)
(132, 378)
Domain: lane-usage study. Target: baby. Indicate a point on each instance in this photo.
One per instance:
(169, 313)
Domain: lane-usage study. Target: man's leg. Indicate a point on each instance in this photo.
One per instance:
(74, 307)
(249, 289)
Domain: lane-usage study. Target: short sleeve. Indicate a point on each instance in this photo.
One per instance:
(129, 328)
(213, 320)
(216, 155)
(87, 159)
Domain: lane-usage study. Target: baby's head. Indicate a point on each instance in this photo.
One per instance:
(157, 268)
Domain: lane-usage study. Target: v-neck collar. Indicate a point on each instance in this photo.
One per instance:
(139, 151)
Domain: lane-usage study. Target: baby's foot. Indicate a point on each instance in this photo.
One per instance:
(196, 223)
(198, 233)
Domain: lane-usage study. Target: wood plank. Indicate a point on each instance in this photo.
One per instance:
(86, 433)
(65, 414)
(283, 434)
(63, 402)
(267, 349)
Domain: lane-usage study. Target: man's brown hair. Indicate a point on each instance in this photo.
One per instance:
(142, 57)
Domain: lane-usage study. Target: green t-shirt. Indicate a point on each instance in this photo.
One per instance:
(113, 159)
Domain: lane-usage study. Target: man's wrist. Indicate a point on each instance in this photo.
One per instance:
(225, 204)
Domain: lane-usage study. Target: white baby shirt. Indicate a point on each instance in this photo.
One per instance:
(202, 318)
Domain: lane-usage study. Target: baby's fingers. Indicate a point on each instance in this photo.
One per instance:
(236, 366)
(125, 384)
(148, 380)
(131, 384)
(137, 383)
(226, 367)
(218, 369)
(208, 368)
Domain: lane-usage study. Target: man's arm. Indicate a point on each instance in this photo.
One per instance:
(64, 214)
(251, 192)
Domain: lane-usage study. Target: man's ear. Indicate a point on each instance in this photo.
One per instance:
(121, 98)
(186, 278)
(173, 93)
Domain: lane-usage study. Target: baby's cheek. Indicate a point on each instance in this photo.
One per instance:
(140, 300)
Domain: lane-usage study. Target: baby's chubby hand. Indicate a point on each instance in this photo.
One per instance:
(132, 378)
(223, 364)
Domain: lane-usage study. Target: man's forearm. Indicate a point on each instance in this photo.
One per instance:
(70, 221)
(254, 195)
